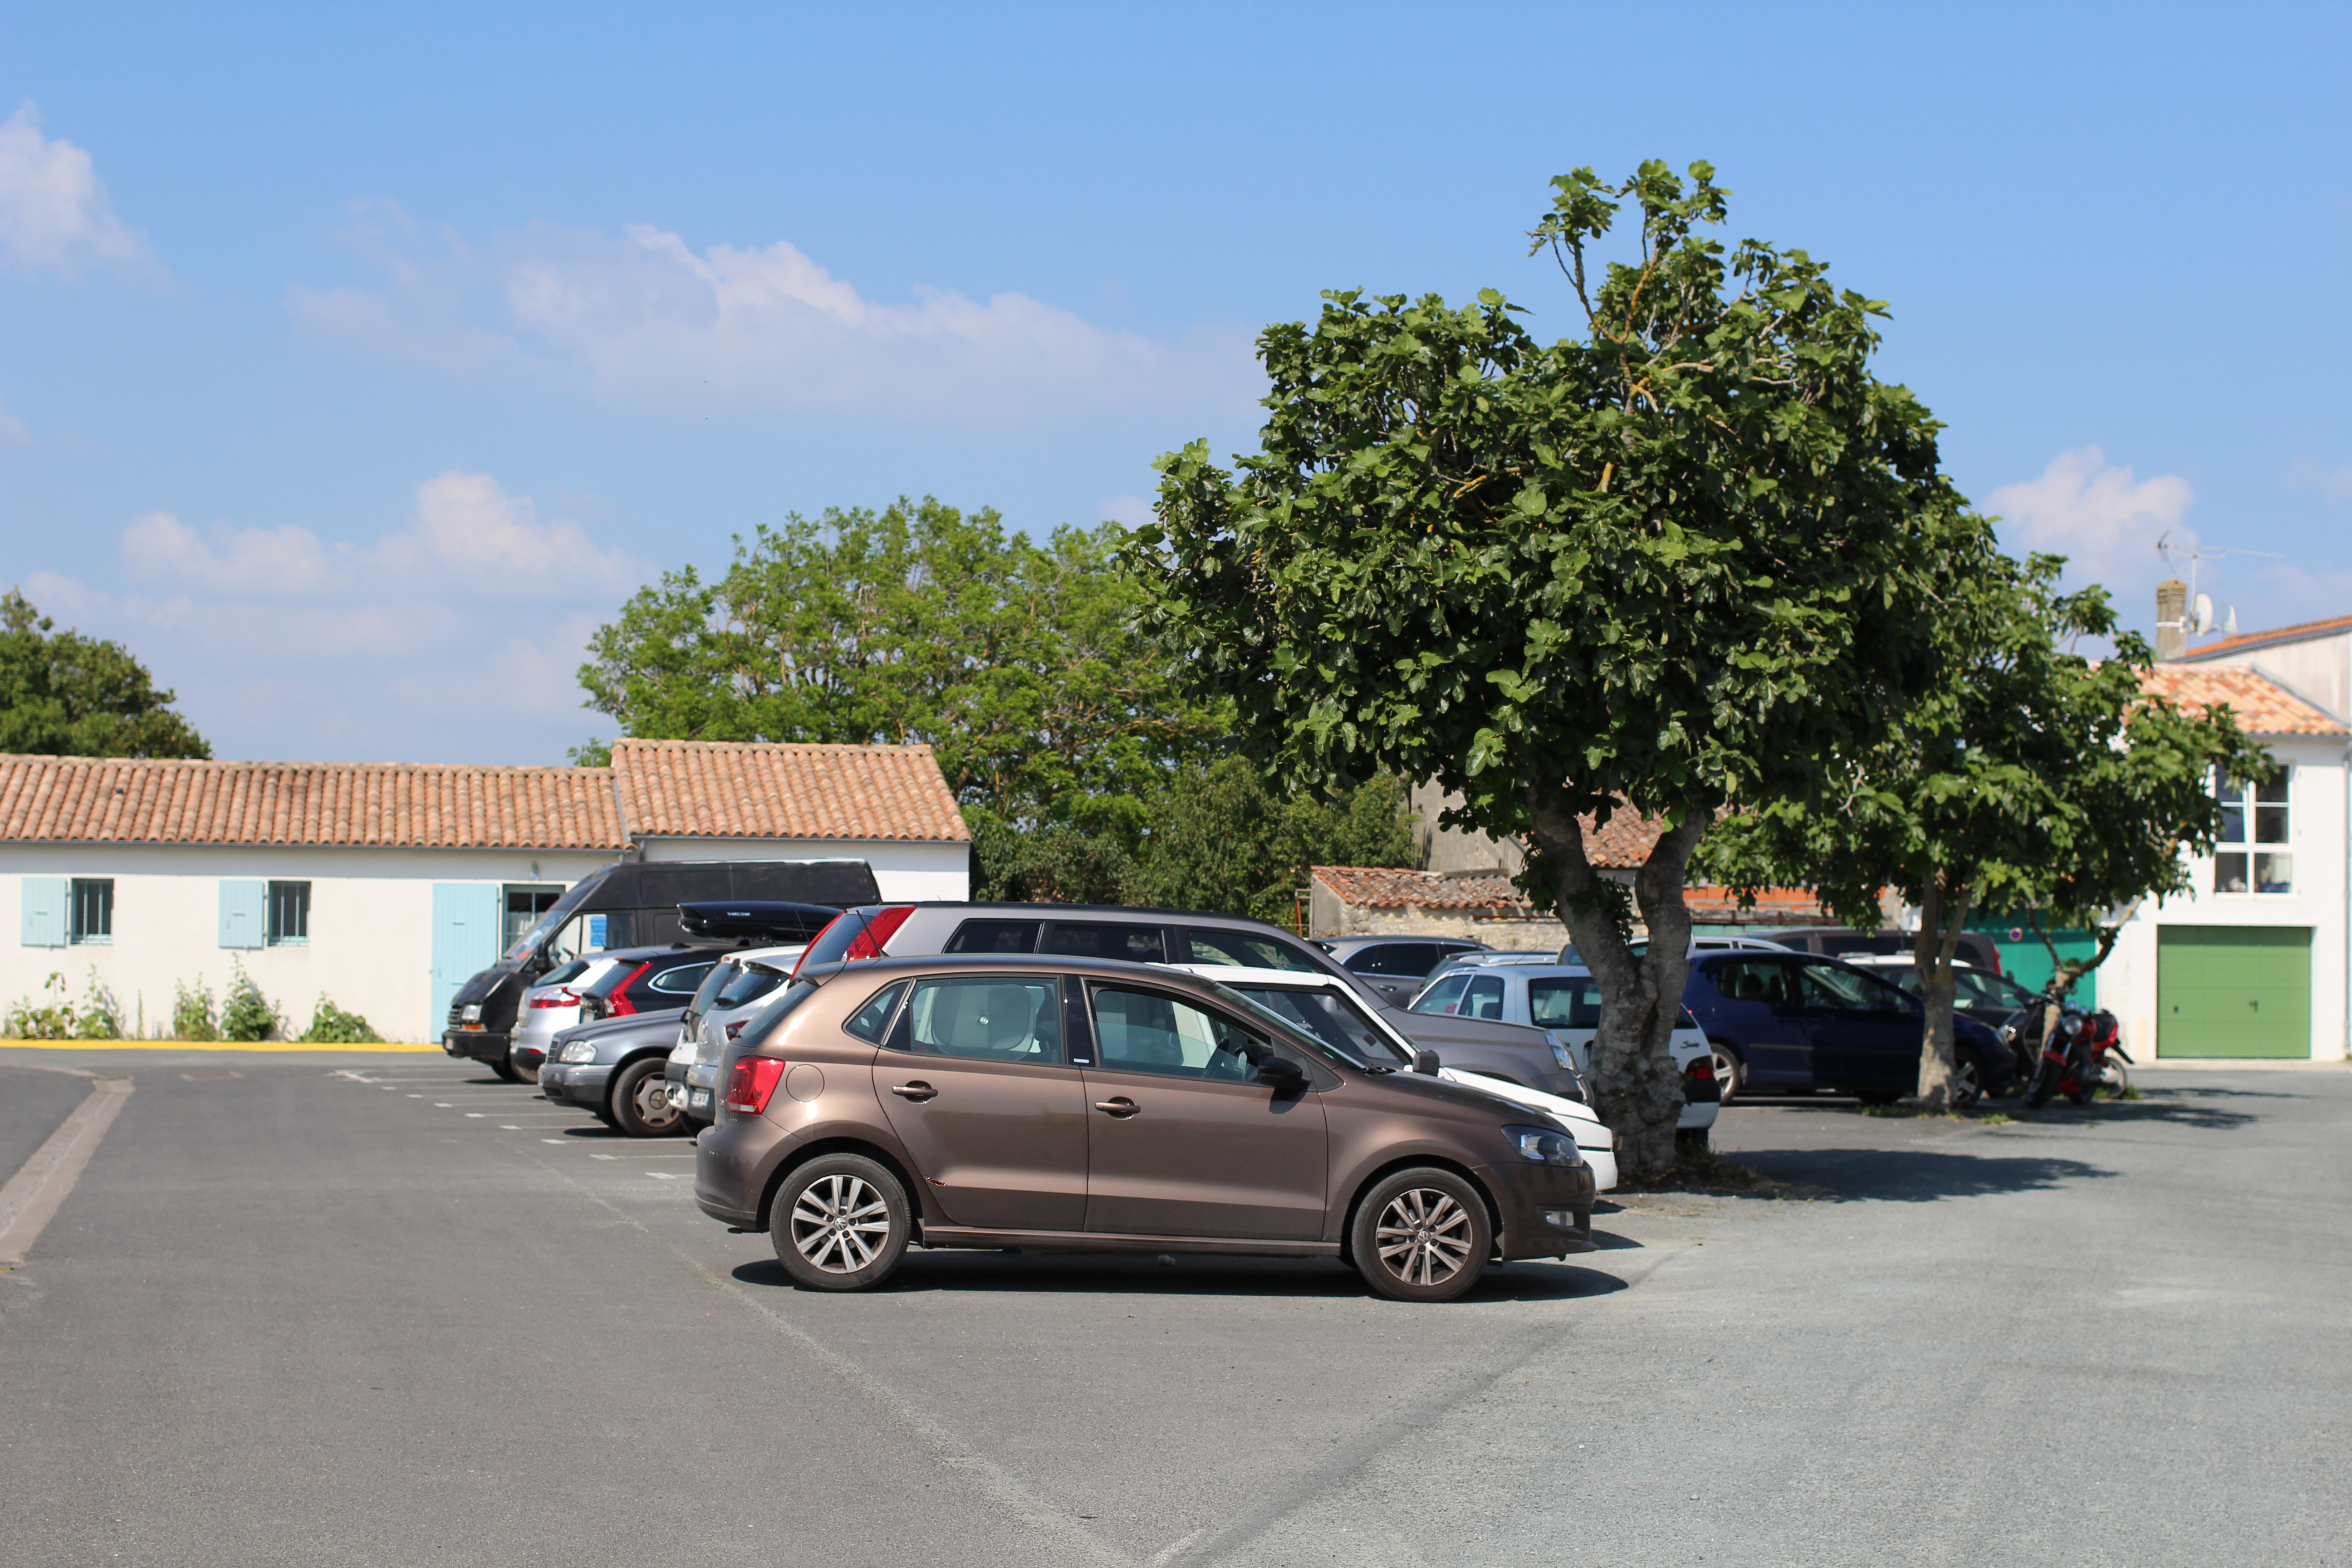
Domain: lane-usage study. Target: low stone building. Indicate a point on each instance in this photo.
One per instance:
(382, 886)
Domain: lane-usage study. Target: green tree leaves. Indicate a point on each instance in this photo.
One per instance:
(1682, 562)
(63, 694)
(1019, 663)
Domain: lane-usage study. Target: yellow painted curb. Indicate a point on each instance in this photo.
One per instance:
(206, 1045)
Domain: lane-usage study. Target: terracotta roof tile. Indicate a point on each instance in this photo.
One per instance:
(1368, 887)
(2245, 640)
(2263, 706)
(116, 801)
(707, 789)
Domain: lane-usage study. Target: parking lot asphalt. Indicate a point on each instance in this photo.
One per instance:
(354, 1310)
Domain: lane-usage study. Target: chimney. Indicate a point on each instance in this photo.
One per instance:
(2171, 618)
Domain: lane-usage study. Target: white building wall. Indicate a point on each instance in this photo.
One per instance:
(371, 925)
(2321, 841)
(371, 941)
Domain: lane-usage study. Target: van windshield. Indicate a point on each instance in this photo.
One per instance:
(553, 921)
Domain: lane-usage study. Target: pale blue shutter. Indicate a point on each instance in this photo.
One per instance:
(45, 911)
(465, 931)
(243, 911)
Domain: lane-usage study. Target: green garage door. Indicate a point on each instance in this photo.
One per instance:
(2233, 991)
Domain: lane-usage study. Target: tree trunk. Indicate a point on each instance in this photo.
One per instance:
(1633, 1073)
(1931, 956)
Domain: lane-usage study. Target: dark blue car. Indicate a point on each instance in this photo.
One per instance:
(1797, 1023)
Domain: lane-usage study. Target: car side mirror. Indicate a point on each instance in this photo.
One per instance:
(1425, 1063)
(1280, 1071)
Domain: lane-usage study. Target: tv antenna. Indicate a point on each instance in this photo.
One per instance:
(2198, 617)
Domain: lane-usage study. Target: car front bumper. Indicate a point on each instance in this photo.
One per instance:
(577, 1083)
(481, 1045)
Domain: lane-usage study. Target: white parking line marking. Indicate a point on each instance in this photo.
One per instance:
(441, 1104)
(416, 1097)
(669, 1176)
(478, 1115)
(555, 1140)
(34, 1192)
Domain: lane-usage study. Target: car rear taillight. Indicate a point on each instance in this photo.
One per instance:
(879, 930)
(751, 1083)
(617, 999)
(561, 999)
(1701, 1070)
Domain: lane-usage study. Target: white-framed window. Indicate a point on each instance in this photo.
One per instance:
(2255, 854)
(93, 909)
(290, 915)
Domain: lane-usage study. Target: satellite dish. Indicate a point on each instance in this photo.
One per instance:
(2203, 614)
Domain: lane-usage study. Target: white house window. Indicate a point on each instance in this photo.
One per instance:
(92, 904)
(289, 913)
(2253, 853)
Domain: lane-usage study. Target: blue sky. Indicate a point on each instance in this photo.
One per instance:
(354, 363)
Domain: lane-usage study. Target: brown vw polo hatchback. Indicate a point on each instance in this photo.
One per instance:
(1055, 1103)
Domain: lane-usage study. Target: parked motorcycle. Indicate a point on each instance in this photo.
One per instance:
(2083, 1054)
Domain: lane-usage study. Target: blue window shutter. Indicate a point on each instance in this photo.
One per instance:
(243, 911)
(466, 932)
(45, 911)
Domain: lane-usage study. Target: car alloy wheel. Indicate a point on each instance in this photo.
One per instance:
(1967, 1081)
(1422, 1235)
(1727, 1075)
(841, 1222)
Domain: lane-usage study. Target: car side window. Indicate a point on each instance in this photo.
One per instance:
(1397, 960)
(983, 1018)
(1564, 1001)
(993, 936)
(1245, 951)
(1482, 999)
(1442, 995)
(1143, 1031)
(1827, 986)
(1761, 980)
(681, 981)
(872, 1022)
(1102, 938)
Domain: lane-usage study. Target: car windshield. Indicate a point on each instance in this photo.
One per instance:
(1288, 1028)
(553, 921)
(1331, 1017)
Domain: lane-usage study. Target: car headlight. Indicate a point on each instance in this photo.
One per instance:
(580, 1051)
(1545, 1146)
(471, 1013)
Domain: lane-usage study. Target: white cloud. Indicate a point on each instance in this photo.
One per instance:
(641, 319)
(481, 537)
(55, 216)
(468, 537)
(2106, 521)
(456, 633)
(2335, 484)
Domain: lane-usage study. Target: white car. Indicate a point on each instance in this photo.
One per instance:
(550, 1006)
(1565, 999)
(737, 987)
(1331, 1010)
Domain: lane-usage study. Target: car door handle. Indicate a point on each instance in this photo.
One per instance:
(1118, 1106)
(917, 1091)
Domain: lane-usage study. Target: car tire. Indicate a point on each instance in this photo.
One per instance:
(640, 1101)
(1421, 1235)
(1730, 1073)
(504, 1067)
(1970, 1077)
(841, 1221)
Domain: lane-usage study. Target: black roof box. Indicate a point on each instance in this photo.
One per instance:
(770, 918)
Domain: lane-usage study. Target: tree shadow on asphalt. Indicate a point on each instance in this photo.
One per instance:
(1909, 1175)
(2170, 1106)
(1137, 1274)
